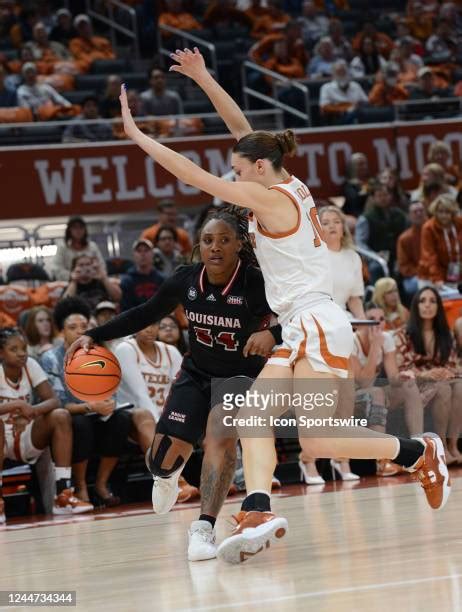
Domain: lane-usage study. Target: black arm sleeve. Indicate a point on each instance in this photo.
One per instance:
(134, 320)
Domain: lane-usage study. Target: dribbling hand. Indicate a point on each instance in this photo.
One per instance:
(84, 342)
(190, 63)
(259, 343)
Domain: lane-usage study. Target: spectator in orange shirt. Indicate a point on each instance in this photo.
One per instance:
(383, 42)
(408, 250)
(87, 48)
(386, 90)
(168, 216)
(223, 13)
(262, 50)
(283, 63)
(441, 244)
(176, 17)
(272, 21)
(419, 22)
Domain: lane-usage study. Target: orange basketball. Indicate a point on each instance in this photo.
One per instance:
(93, 376)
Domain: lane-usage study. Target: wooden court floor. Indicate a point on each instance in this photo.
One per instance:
(367, 548)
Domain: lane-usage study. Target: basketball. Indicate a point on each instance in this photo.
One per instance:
(93, 376)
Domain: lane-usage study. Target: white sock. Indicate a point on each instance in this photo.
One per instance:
(62, 472)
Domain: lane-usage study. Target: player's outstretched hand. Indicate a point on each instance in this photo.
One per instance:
(130, 127)
(84, 342)
(190, 63)
(259, 343)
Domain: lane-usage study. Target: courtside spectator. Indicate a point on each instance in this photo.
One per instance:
(34, 95)
(368, 62)
(76, 242)
(167, 257)
(427, 349)
(108, 438)
(86, 48)
(142, 280)
(378, 228)
(356, 188)
(408, 250)
(40, 331)
(90, 282)
(387, 90)
(345, 262)
(158, 100)
(168, 216)
(64, 31)
(110, 104)
(8, 96)
(386, 296)
(340, 98)
(441, 243)
(78, 130)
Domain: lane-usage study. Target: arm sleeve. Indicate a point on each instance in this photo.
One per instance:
(132, 378)
(134, 320)
(429, 256)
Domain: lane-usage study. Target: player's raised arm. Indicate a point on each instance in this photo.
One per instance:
(191, 64)
(246, 194)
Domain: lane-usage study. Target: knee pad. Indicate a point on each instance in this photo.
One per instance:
(154, 463)
(377, 415)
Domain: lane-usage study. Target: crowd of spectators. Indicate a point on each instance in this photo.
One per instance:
(359, 60)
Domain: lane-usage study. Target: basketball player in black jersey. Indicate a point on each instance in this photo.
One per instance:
(224, 301)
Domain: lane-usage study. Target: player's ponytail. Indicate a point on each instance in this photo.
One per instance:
(266, 145)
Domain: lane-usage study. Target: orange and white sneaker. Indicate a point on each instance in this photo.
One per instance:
(432, 471)
(67, 503)
(2, 511)
(187, 492)
(253, 533)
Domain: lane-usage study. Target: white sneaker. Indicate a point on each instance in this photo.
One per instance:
(202, 540)
(165, 492)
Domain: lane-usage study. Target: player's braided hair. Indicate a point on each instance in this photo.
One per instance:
(236, 218)
(9, 332)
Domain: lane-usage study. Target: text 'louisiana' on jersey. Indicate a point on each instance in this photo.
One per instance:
(295, 264)
(221, 319)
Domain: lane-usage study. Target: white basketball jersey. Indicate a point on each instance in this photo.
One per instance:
(31, 376)
(157, 375)
(295, 264)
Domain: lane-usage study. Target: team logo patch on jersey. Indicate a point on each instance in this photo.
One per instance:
(192, 293)
(211, 298)
(235, 300)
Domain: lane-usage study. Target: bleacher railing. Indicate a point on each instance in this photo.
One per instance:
(187, 37)
(111, 21)
(276, 81)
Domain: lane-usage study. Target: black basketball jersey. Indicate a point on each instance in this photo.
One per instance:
(220, 318)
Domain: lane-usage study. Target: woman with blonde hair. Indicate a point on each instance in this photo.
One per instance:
(440, 153)
(441, 243)
(386, 295)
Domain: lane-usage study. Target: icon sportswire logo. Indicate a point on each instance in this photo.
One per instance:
(98, 362)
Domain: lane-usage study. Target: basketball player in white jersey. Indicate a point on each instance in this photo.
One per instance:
(317, 337)
(148, 369)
